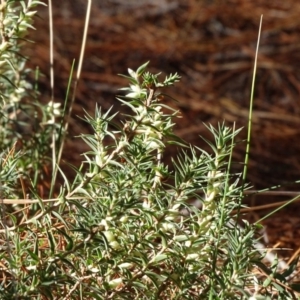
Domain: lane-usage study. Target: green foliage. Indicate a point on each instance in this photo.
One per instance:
(152, 244)
(25, 123)
(127, 227)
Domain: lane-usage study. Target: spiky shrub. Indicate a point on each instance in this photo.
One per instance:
(25, 123)
(124, 228)
(144, 241)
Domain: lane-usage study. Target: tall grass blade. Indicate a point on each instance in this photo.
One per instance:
(251, 105)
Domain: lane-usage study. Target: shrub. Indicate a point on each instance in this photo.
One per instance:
(128, 226)
(26, 124)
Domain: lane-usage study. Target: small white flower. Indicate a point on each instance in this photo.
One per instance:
(115, 282)
(125, 265)
(54, 108)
